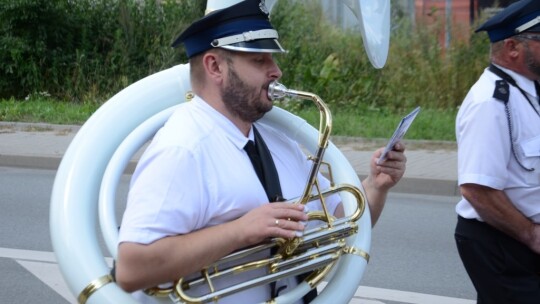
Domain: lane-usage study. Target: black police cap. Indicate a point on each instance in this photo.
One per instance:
(243, 27)
(519, 17)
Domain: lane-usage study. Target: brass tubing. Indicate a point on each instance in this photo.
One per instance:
(316, 251)
(93, 286)
(309, 265)
(277, 91)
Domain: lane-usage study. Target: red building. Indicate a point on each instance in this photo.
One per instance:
(454, 18)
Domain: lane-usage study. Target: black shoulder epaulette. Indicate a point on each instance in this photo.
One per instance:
(502, 91)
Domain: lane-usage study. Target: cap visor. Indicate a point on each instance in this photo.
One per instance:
(535, 28)
(256, 46)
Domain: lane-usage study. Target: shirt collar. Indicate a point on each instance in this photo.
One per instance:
(523, 82)
(223, 124)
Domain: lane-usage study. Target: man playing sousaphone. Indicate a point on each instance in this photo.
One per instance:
(196, 196)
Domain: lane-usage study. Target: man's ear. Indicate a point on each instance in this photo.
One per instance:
(513, 47)
(214, 66)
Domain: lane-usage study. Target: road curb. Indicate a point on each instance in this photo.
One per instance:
(409, 185)
(430, 168)
(30, 162)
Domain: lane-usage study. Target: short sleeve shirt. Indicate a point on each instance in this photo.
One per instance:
(195, 174)
(485, 154)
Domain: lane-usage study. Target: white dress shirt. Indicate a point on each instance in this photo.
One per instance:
(195, 174)
(484, 148)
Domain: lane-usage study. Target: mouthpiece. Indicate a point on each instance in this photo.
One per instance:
(276, 91)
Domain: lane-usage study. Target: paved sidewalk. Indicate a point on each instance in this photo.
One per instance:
(431, 166)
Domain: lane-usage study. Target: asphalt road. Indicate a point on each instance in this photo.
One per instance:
(413, 256)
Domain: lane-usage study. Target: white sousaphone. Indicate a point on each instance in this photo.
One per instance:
(85, 186)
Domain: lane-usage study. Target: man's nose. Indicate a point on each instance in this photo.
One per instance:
(275, 71)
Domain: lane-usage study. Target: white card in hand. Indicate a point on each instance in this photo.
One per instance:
(400, 131)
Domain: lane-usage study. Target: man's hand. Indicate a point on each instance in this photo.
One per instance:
(382, 177)
(497, 210)
(167, 259)
(390, 171)
(271, 220)
(534, 244)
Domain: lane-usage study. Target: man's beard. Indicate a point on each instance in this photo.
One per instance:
(243, 100)
(532, 65)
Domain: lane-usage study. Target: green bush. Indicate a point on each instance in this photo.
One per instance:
(86, 49)
(334, 64)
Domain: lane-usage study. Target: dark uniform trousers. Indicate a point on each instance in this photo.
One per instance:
(503, 270)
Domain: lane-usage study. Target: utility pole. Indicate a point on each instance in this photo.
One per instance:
(448, 27)
(412, 12)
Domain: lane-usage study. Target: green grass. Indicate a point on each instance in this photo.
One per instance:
(68, 77)
(43, 109)
(98, 47)
(430, 124)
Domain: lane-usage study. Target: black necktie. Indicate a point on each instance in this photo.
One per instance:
(537, 87)
(255, 159)
(262, 162)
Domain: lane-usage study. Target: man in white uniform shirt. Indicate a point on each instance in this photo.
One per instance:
(195, 196)
(498, 137)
